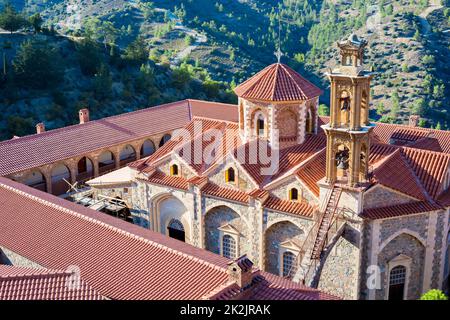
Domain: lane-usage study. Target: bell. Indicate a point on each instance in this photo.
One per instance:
(345, 105)
(342, 164)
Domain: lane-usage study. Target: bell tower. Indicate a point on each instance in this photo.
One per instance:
(349, 128)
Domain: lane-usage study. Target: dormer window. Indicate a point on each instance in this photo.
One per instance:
(293, 194)
(174, 170)
(230, 176)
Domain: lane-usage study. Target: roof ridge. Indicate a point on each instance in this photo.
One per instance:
(277, 67)
(292, 78)
(416, 178)
(35, 275)
(108, 226)
(442, 153)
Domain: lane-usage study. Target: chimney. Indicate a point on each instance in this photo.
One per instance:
(240, 271)
(40, 128)
(413, 120)
(84, 115)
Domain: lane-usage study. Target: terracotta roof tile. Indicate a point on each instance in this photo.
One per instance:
(214, 110)
(277, 83)
(18, 283)
(396, 174)
(54, 145)
(227, 193)
(294, 207)
(430, 167)
(416, 136)
(400, 210)
(171, 181)
(313, 171)
(121, 260)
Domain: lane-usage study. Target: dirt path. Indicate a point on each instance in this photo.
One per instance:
(426, 27)
(199, 38)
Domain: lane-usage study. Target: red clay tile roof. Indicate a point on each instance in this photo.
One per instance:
(313, 171)
(400, 210)
(17, 283)
(293, 207)
(227, 193)
(214, 110)
(121, 260)
(396, 174)
(277, 83)
(383, 132)
(171, 181)
(39, 149)
(270, 287)
(430, 167)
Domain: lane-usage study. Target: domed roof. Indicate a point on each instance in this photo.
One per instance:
(277, 83)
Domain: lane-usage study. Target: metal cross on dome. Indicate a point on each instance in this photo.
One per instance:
(278, 53)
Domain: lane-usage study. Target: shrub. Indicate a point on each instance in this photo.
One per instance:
(434, 294)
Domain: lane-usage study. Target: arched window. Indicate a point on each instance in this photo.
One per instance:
(397, 279)
(176, 230)
(174, 170)
(228, 247)
(260, 125)
(230, 175)
(288, 263)
(293, 194)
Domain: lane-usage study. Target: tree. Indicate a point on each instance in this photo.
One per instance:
(103, 82)
(434, 294)
(323, 110)
(136, 51)
(36, 22)
(37, 65)
(89, 56)
(10, 20)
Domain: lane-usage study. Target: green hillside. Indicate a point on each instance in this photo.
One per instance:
(149, 52)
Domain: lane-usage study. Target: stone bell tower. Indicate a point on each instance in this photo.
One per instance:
(349, 128)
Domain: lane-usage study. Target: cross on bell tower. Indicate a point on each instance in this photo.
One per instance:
(349, 128)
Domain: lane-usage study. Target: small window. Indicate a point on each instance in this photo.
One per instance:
(228, 247)
(260, 125)
(230, 175)
(288, 263)
(397, 279)
(293, 194)
(174, 170)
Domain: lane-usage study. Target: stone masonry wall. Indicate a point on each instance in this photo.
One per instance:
(340, 272)
(380, 196)
(411, 247)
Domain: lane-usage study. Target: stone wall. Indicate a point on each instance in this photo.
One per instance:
(274, 236)
(282, 191)
(220, 216)
(340, 272)
(243, 182)
(411, 247)
(381, 197)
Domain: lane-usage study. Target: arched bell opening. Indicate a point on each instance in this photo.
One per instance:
(344, 109)
(342, 160)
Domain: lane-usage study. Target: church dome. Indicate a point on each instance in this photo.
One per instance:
(277, 83)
